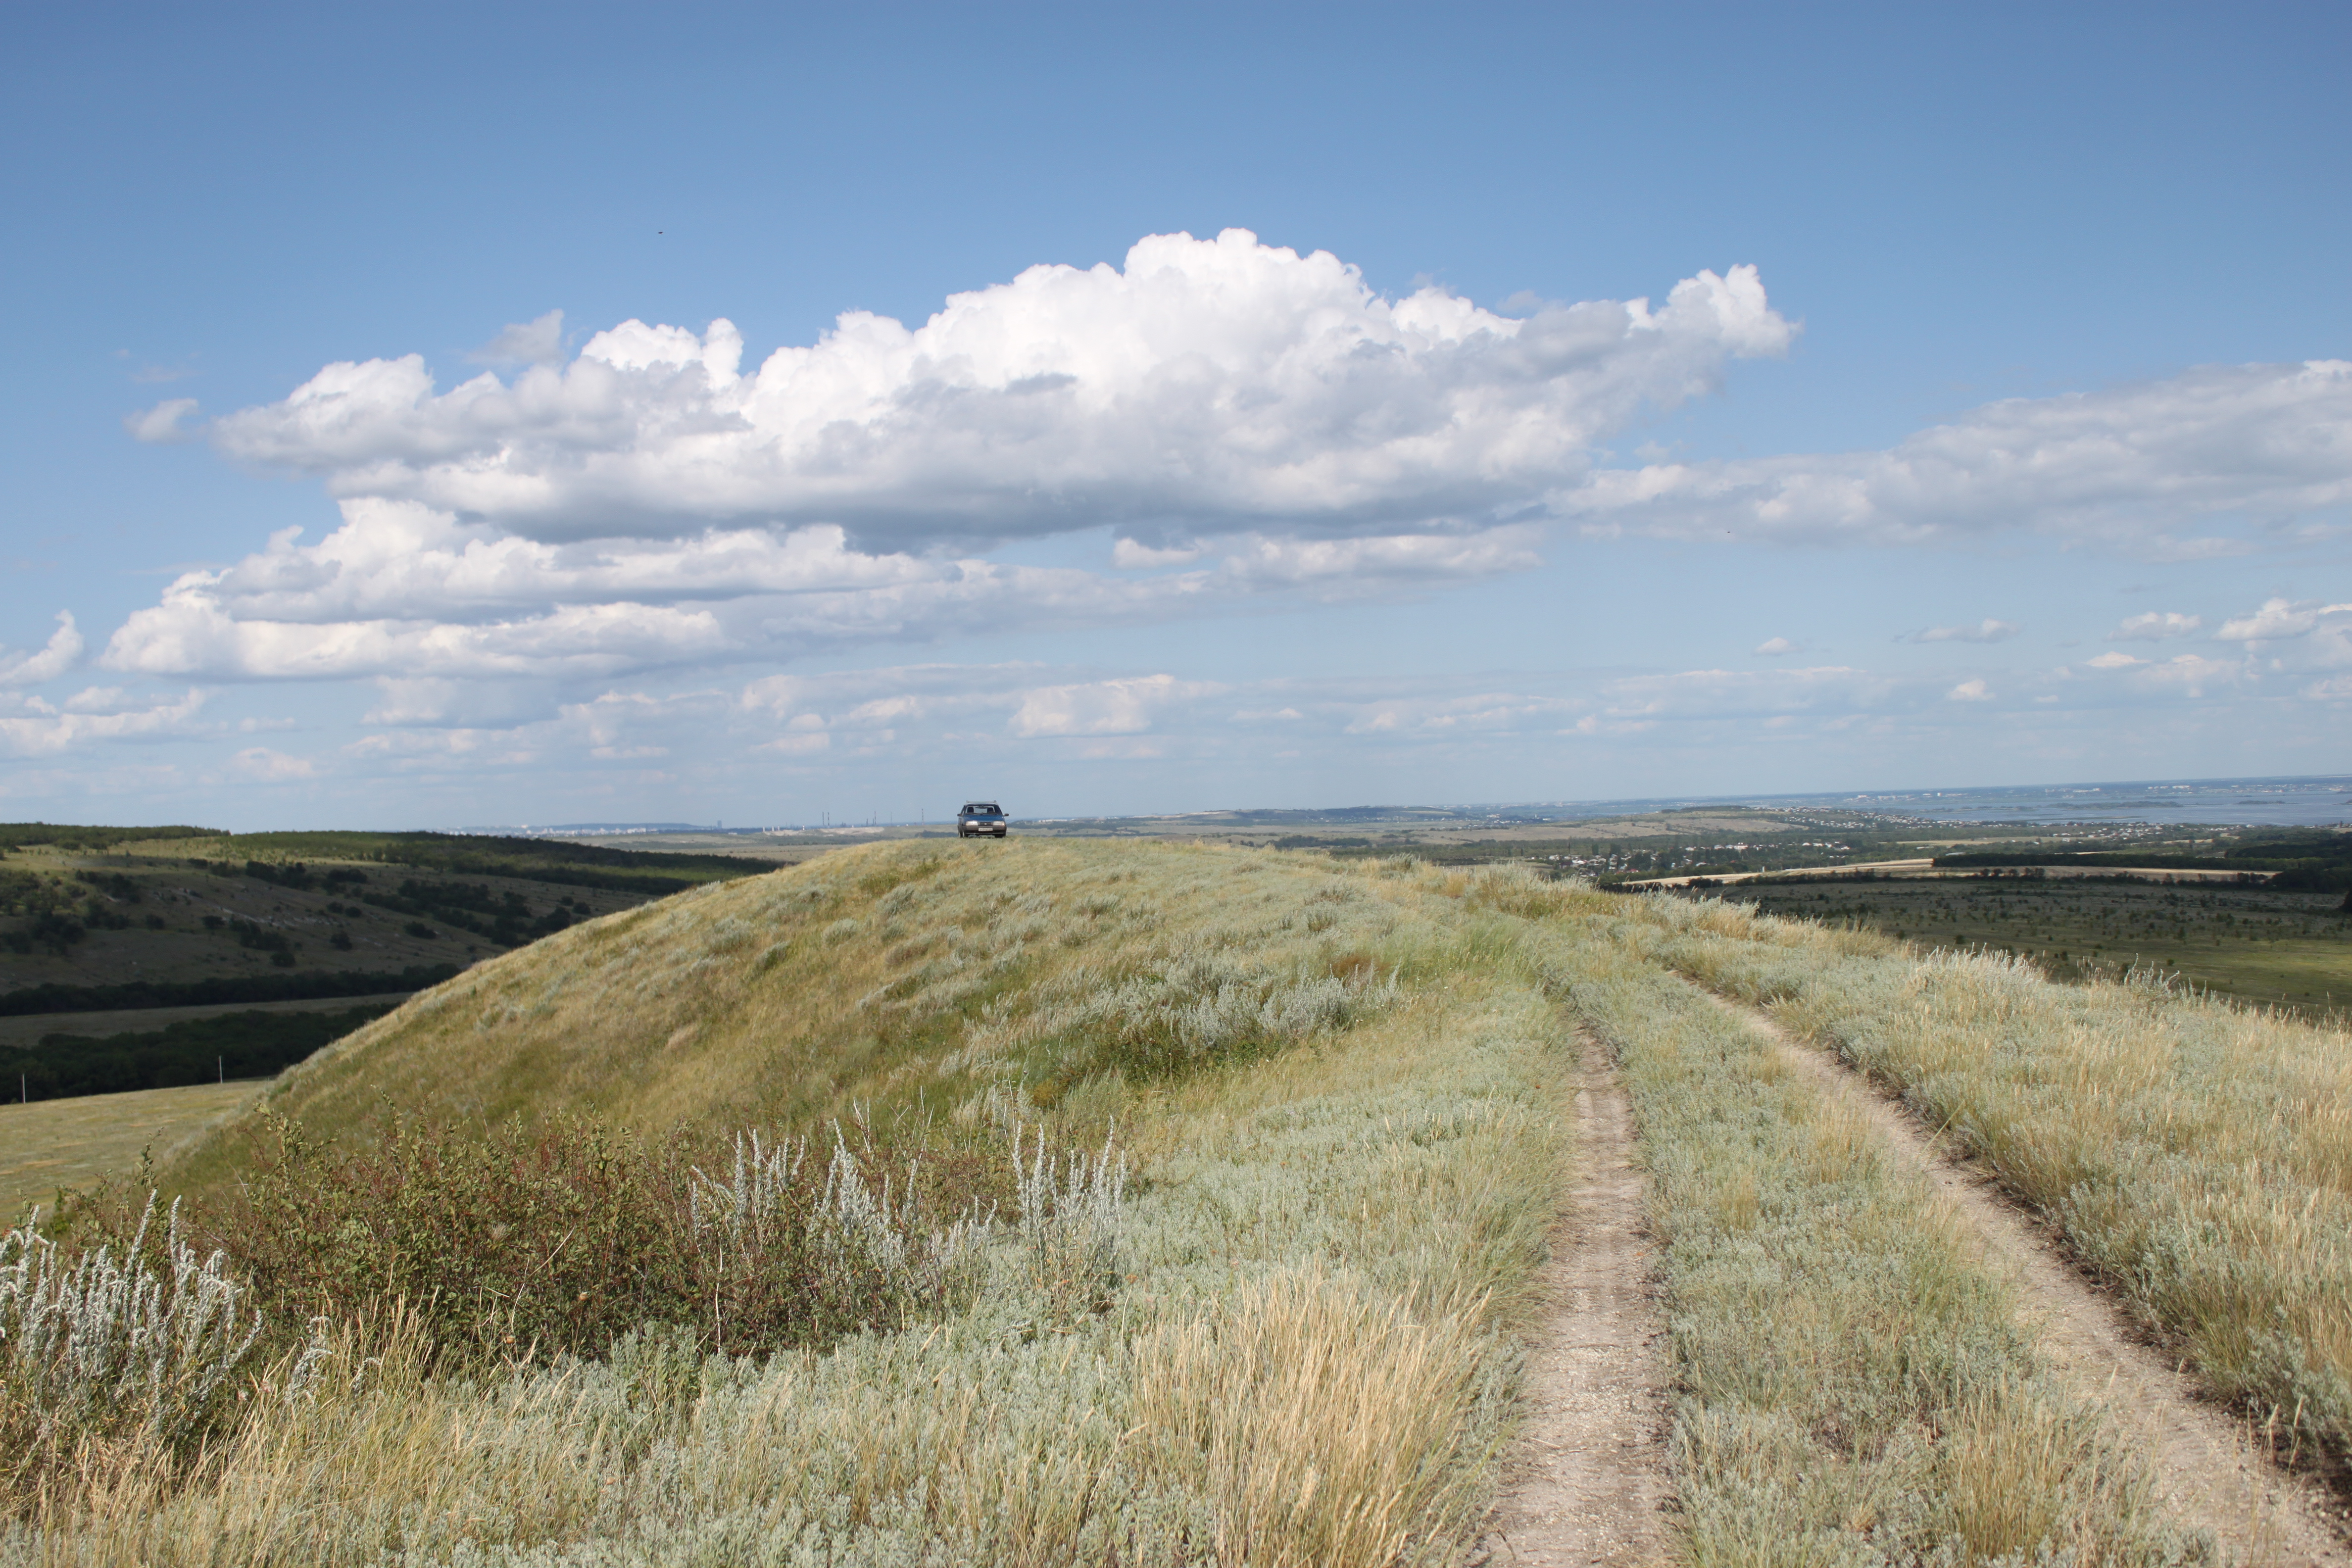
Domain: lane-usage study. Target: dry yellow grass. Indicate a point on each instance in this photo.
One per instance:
(54, 1143)
(1330, 1233)
(2197, 1152)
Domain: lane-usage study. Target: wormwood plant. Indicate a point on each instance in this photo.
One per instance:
(1069, 1223)
(134, 1346)
(846, 1238)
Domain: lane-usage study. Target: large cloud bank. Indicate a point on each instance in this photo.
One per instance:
(649, 506)
(1209, 385)
(1248, 421)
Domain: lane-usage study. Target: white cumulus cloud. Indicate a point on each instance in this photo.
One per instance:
(1209, 384)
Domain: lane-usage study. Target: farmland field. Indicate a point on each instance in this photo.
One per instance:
(2255, 943)
(75, 1142)
(1173, 1204)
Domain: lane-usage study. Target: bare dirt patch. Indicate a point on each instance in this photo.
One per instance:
(1589, 1477)
(2213, 1472)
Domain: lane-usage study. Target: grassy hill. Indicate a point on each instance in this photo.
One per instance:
(1241, 1152)
(1065, 1202)
(890, 979)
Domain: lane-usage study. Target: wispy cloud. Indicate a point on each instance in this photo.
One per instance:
(2145, 468)
(2279, 619)
(44, 732)
(402, 591)
(2156, 626)
(53, 658)
(536, 342)
(160, 426)
(1985, 630)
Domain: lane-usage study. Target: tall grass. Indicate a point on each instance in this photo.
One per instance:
(1854, 1383)
(1269, 1323)
(2197, 1152)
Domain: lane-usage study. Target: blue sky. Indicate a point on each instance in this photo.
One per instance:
(1577, 403)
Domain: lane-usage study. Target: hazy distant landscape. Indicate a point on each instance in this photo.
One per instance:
(142, 958)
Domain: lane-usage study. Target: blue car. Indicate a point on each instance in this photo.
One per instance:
(979, 817)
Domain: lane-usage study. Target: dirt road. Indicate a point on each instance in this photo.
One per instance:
(1589, 1479)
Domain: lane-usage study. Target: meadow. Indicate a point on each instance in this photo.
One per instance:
(1072, 1203)
(73, 1143)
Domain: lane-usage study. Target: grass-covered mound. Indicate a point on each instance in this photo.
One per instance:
(895, 978)
(1113, 1204)
(1150, 1205)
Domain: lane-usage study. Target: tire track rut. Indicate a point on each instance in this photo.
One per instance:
(2209, 1472)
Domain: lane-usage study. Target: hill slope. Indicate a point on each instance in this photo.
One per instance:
(889, 978)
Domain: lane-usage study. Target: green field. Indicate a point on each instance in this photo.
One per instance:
(2257, 944)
